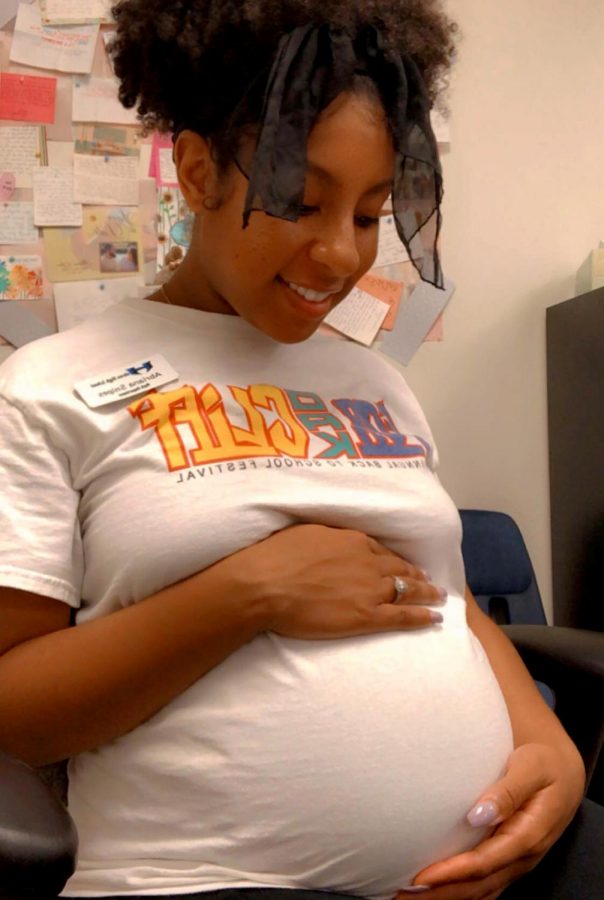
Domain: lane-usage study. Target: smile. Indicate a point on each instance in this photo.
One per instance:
(309, 294)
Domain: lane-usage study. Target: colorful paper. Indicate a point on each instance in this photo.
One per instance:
(8, 184)
(174, 224)
(388, 291)
(27, 98)
(21, 278)
(108, 245)
(107, 140)
(162, 167)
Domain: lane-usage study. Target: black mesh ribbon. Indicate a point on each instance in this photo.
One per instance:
(314, 64)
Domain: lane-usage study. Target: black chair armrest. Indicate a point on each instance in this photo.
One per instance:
(38, 840)
(571, 662)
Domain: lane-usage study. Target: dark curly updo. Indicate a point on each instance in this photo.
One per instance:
(197, 61)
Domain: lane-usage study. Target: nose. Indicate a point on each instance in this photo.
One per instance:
(337, 249)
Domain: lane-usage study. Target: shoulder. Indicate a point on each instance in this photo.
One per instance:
(55, 363)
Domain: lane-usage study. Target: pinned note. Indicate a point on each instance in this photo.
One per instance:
(66, 49)
(77, 301)
(416, 318)
(107, 180)
(17, 223)
(107, 140)
(162, 166)
(53, 198)
(108, 245)
(360, 317)
(76, 12)
(20, 152)
(97, 100)
(8, 183)
(391, 250)
(27, 98)
(388, 291)
(21, 278)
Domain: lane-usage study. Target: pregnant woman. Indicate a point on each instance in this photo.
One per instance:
(276, 679)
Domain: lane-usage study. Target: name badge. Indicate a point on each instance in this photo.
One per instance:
(139, 378)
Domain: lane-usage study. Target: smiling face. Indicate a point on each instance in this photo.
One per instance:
(250, 272)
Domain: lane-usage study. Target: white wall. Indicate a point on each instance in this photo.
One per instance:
(524, 206)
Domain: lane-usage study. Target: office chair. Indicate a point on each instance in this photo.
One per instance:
(567, 663)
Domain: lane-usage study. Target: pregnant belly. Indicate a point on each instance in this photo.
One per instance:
(342, 765)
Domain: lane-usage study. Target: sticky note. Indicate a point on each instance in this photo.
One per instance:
(360, 316)
(17, 223)
(107, 180)
(97, 100)
(69, 48)
(20, 152)
(27, 98)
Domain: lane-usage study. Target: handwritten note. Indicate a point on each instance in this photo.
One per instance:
(77, 301)
(67, 49)
(391, 250)
(107, 180)
(70, 12)
(17, 223)
(27, 98)
(53, 198)
(360, 316)
(19, 152)
(96, 100)
(388, 291)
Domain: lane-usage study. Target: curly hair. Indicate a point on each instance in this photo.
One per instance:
(216, 55)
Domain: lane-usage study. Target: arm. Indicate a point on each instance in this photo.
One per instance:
(66, 690)
(532, 720)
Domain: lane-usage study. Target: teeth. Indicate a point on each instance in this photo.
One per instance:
(312, 296)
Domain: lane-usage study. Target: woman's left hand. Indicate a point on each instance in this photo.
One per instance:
(533, 804)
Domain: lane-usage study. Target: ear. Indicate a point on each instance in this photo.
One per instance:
(196, 169)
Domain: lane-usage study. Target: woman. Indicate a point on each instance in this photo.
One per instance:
(277, 679)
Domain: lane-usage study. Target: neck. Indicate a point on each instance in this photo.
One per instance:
(190, 287)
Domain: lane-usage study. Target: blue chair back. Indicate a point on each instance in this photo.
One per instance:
(500, 574)
(499, 571)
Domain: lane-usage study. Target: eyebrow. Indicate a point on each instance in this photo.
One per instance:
(324, 175)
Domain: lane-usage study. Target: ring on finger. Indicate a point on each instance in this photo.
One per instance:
(401, 587)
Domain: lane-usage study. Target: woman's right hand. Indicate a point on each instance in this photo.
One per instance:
(322, 583)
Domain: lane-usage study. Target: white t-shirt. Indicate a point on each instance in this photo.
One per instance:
(342, 765)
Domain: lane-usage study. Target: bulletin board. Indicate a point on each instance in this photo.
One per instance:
(89, 208)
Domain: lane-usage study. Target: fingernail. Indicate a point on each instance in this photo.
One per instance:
(484, 814)
(442, 593)
(436, 618)
(416, 889)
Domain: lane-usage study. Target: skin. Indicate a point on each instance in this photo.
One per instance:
(329, 249)
(51, 717)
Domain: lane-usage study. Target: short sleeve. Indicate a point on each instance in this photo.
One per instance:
(40, 541)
